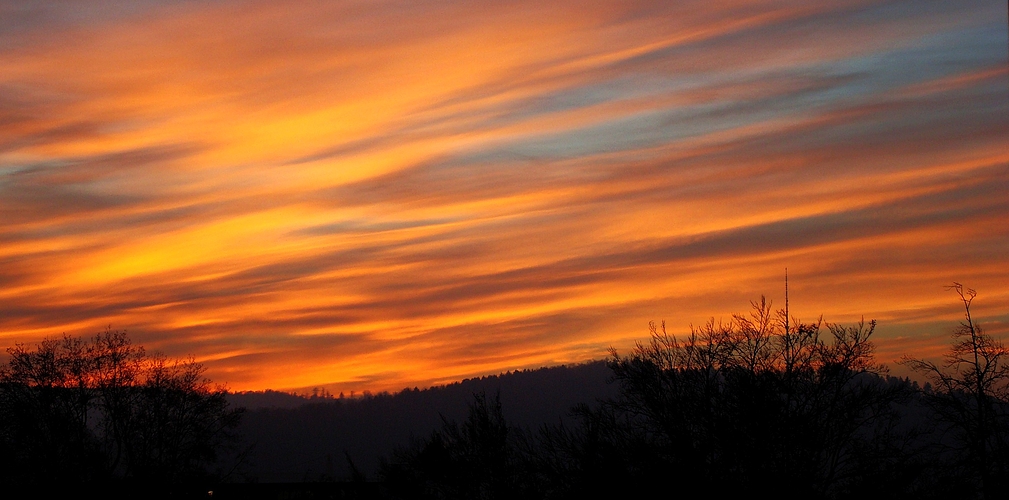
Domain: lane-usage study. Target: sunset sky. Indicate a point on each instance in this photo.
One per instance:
(369, 195)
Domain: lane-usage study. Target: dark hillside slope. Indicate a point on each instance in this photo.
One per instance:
(311, 442)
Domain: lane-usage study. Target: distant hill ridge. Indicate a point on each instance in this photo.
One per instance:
(298, 438)
(270, 398)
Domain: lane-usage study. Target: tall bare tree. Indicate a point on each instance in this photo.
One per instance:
(971, 398)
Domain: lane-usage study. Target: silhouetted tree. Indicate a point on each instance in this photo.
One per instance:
(471, 460)
(46, 402)
(762, 403)
(971, 400)
(178, 422)
(76, 410)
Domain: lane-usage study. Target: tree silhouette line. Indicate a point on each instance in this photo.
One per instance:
(101, 410)
(760, 405)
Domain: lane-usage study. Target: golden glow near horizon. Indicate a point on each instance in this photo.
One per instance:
(374, 195)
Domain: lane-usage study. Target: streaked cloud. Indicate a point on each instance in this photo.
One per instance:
(372, 195)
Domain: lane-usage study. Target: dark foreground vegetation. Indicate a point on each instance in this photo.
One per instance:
(761, 405)
(103, 413)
